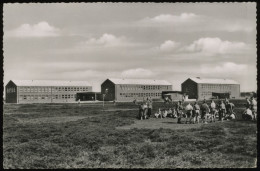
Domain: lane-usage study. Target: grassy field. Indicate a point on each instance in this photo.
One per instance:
(88, 136)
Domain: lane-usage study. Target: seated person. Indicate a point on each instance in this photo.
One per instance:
(174, 113)
(158, 114)
(247, 114)
(170, 111)
(165, 113)
(232, 116)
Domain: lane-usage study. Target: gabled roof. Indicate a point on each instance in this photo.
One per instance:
(212, 81)
(49, 83)
(139, 81)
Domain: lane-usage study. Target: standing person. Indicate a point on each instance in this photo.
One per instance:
(213, 111)
(254, 107)
(197, 112)
(230, 108)
(222, 111)
(145, 109)
(179, 109)
(226, 101)
(183, 98)
(141, 111)
(248, 103)
(166, 100)
(204, 112)
(134, 101)
(189, 110)
(150, 106)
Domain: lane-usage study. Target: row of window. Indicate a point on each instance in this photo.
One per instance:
(206, 93)
(142, 87)
(140, 94)
(10, 90)
(210, 93)
(38, 97)
(216, 86)
(49, 89)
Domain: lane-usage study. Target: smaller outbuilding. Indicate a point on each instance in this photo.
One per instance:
(173, 95)
(89, 96)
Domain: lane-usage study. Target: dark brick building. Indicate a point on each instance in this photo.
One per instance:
(201, 88)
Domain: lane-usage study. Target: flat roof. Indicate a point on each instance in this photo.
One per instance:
(139, 81)
(50, 83)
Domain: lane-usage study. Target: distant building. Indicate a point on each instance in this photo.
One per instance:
(248, 94)
(130, 89)
(89, 96)
(201, 88)
(173, 95)
(44, 91)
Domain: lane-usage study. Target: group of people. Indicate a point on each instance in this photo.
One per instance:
(251, 109)
(193, 113)
(171, 112)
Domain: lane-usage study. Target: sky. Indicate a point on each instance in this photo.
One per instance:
(96, 41)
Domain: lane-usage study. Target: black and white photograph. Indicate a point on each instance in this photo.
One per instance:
(129, 85)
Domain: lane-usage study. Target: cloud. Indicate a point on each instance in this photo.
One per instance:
(191, 22)
(245, 26)
(42, 29)
(215, 45)
(172, 19)
(106, 40)
(226, 69)
(69, 66)
(137, 73)
(169, 45)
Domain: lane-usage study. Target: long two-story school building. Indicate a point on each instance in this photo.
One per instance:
(130, 89)
(203, 88)
(44, 91)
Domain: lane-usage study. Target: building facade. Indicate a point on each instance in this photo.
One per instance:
(130, 89)
(201, 88)
(44, 91)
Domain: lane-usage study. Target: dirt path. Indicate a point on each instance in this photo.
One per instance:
(118, 109)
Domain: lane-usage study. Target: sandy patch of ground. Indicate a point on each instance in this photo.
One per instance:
(19, 113)
(166, 123)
